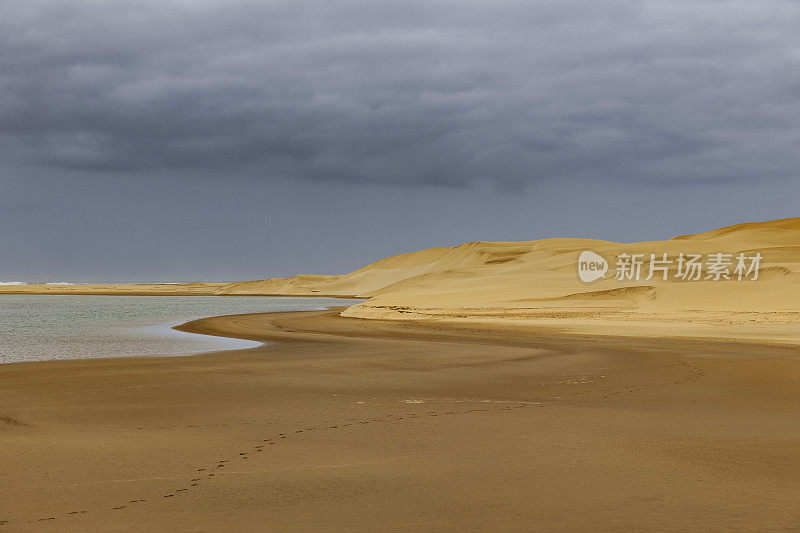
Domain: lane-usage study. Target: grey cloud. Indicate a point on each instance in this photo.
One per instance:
(406, 93)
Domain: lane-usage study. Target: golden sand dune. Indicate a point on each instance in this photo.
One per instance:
(385, 272)
(537, 282)
(547, 264)
(541, 287)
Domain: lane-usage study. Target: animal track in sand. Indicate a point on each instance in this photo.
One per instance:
(692, 373)
(351, 423)
(190, 426)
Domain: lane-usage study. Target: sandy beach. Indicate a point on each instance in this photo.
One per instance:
(409, 266)
(345, 423)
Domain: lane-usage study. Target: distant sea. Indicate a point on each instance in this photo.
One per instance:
(98, 282)
(42, 327)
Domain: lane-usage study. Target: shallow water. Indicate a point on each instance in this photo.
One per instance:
(41, 327)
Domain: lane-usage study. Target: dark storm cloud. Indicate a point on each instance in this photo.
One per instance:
(410, 92)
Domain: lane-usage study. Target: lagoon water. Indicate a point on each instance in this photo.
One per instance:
(42, 327)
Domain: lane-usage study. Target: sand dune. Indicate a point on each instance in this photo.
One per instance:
(535, 282)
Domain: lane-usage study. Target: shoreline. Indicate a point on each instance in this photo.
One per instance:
(156, 289)
(345, 423)
(226, 326)
(75, 327)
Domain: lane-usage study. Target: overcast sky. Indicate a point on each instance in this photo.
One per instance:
(237, 140)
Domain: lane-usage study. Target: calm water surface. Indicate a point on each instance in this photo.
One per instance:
(41, 327)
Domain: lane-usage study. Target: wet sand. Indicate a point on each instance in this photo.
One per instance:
(351, 424)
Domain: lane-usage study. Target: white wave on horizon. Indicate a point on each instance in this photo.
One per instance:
(13, 283)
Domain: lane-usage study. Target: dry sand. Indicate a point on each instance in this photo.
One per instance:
(352, 424)
(504, 394)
